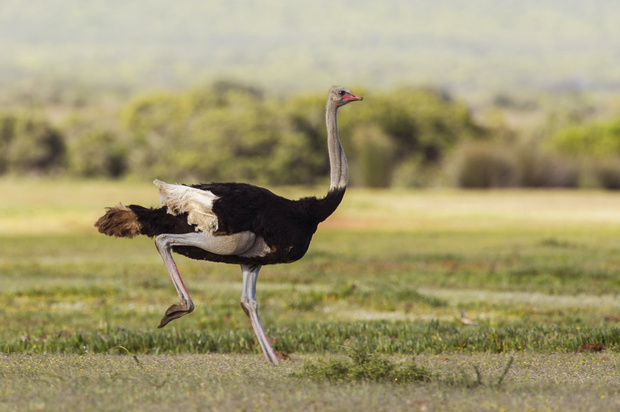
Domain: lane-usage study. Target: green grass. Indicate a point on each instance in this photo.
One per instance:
(384, 337)
(388, 274)
(242, 382)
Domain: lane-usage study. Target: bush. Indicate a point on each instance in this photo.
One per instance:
(98, 152)
(485, 165)
(223, 133)
(7, 131)
(29, 144)
(592, 139)
(375, 154)
(232, 132)
(424, 124)
(607, 173)
(156, 124)
(539, 168)
(229, 131)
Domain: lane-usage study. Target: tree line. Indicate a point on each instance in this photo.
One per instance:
(232, 132)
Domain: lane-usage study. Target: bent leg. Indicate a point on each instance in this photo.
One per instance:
(185, 305)
(243, 244)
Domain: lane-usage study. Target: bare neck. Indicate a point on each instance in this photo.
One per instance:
(339, 170)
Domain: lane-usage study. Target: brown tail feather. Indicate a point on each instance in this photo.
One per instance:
(119, 221)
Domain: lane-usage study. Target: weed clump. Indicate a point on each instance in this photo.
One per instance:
(464, 380)
(364, 366)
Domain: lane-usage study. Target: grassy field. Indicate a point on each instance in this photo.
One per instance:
(389, 272)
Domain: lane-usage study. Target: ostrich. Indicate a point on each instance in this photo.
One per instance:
(235, 223)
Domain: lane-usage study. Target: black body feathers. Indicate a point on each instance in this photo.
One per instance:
(287, 226)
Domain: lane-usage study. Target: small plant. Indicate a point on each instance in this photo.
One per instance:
(463, 379)
(364, 366)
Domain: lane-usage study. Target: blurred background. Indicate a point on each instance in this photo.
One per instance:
(474, 94)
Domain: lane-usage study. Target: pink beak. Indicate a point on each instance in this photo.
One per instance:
(352, 97)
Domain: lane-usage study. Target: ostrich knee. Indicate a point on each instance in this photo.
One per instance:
(249, 306)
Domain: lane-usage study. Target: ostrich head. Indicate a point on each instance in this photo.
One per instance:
(342, 96)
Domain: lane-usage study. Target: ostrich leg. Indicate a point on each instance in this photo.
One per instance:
(250, 307)
(185, 304)
(239, 243)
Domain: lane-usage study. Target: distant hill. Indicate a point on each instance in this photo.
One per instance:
(463, 46)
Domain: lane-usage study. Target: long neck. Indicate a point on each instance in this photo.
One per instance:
(339, 170)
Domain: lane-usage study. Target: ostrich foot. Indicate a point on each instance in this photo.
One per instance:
(175, 312)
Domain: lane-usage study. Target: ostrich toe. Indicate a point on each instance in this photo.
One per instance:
(175, 312)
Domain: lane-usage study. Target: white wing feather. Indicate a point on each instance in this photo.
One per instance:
(198, 204)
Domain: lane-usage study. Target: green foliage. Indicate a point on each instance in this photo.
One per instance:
(364, 366)
(162, 114)
(225, 132)
(29, 144)
(403, 127)
(597, 145)
(156, 123)
(231, 132)
(97, 146)
(98, 153)
(590, 139)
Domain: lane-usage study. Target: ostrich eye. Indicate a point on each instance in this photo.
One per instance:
(342, 92)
